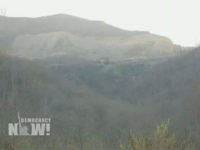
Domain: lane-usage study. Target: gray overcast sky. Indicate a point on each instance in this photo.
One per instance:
(176, 19)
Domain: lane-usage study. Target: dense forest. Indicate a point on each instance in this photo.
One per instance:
(84, 118)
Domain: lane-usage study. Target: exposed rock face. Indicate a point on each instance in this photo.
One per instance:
(72, 36)
(62, 43)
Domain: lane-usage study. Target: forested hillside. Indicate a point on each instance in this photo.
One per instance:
(83, 119)
(80, 117)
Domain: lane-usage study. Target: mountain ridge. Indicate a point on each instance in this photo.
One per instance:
(31, 37)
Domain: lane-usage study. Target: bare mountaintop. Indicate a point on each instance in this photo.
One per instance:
(62, 43)
(69, 35)
(11, 27)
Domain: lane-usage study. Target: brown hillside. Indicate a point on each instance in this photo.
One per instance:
(12, 27)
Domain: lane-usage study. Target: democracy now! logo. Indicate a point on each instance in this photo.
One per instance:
(30, 127)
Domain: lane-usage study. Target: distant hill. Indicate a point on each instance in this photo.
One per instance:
(66, 23)
(12, 27)
(72, 36)
(93, 48)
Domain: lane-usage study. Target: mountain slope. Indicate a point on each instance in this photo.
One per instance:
(171, 79)
(12, 27)
(64, 23)
(84, 119)
(69, 35)
(77, 113)
(93, 48)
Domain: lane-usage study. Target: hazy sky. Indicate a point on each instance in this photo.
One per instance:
(176, 19)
